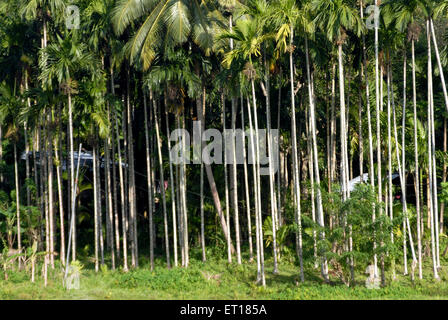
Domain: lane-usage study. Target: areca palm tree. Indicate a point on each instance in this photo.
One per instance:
(165, 24)
(263, 11)
(249, 38)
(313, 128)
(389, 6)
(335, 18)
(287, 16)
(432, 201)
(229, 7)
(101, 40)
(60, 62)
(406, 14)
(172, 52)
(46, 12)
(286, 13)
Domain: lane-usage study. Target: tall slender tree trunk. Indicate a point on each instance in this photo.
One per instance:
(434, 179)
(16, 175)
(234, 184)
(99, 199)
(403, 165)
(44, 184)
(273, 206)
(378, 133)
(442, 205)
(180, 216)
(259, 242)
(132, 187)
(445, 95)
(109, 193)
(204, 257)
(226, 184)
(320, 212)
(279, 173)
(246, 185)
(114, 174)
(72, 173)
(184, 196)
(162, 182)
(417, 178)
(115, 195)
(313, 187)
(233, 179)
(332, 161)
(44, 40)
(432, 200)
(124, 222)
(109, 227)
(149, 184)
(343, 138)
(154, 155)
(389, 156)
(50, 191)
(173, 198)
(27, 146)
(95, 208)
(58, 148)
(263, 280)
(297, 212)
(333, 127)
(402, 171)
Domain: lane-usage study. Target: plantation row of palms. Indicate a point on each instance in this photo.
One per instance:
(350, 98)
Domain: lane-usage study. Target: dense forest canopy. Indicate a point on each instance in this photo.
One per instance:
(356, 90)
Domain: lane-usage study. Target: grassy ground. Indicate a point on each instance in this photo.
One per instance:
(215, 279)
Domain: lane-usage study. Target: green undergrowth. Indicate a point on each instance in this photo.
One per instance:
(216, 279)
